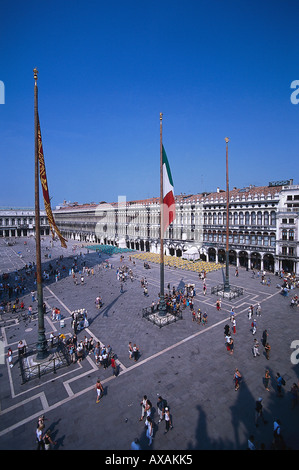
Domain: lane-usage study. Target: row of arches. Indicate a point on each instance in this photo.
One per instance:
(243, 258)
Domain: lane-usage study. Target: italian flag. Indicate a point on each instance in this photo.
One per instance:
(168, 193)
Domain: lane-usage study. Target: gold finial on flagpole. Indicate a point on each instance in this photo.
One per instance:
(161, 114)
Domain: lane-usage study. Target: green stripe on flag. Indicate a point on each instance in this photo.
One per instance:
(165, 161)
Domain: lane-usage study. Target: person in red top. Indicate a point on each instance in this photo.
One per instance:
(114, 366)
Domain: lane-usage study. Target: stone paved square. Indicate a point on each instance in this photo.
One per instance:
(186, 363)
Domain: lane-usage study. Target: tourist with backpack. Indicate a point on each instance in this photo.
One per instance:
(279, 382)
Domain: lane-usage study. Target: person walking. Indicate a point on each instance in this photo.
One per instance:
(227, 341)
(232, 314)
(135, 352)
(237, 379)
(148, 410)
(258, 310)
(97, 351)
(21, 348)
(149, 430)
(250, 312)
(226, 330)
(105, 358)
(48, 441)
(279, 383)
(259, 411)
(52, 337)
(255, 349)
(130, 350)
(234, 325)
(266, 380)
(264, 337)
(114, 366)
(39, 437)
(9, 354)
(267, 350)
(168, 423)
(161, 404)
(198, 316)
(231, 345)
(99, 389)
(143, 405)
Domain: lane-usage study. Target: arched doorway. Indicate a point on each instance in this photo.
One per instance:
(255, 260)
(171, 251)
(288, 265)
(243, 259)
(269, 262)
(221, 256)
(212, 254)
(232, 257)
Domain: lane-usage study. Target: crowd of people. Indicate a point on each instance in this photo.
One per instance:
(79, 320)
(79, 349)
(43, 436)
(147, 416)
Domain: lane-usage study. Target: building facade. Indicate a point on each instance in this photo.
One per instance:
(263, 225)
(20, 222)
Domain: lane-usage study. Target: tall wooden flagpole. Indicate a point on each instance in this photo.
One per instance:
(42, 341)
(162, 304)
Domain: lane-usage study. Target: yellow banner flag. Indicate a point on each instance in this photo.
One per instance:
(44, 183)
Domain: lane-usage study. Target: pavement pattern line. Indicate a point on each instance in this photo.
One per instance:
(58, 300)
(122, 366)
(71, 394)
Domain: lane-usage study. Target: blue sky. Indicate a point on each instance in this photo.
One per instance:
(214, 68)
